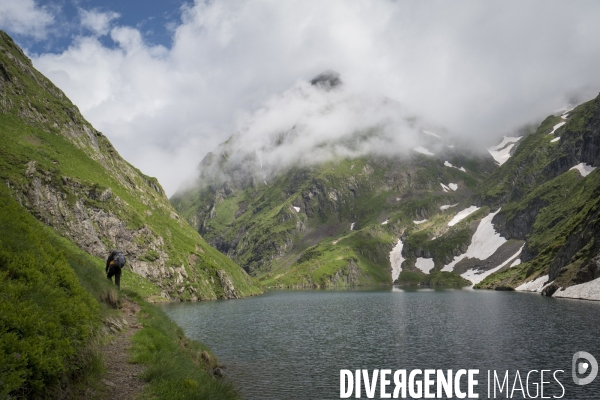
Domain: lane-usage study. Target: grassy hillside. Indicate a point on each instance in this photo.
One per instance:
(333, 224)
(54, 298)
(554, 208)
(70, 177)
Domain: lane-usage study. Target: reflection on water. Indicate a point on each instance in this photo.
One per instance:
(292, 344)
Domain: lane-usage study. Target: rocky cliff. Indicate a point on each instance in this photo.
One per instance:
(69, 176)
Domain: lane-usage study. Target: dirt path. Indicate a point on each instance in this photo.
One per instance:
(122, 379)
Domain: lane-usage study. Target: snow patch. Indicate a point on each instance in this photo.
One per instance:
(432, 134)
(484, 243)
(501, 156)
(447, 206)
(588, 291)
(384, 222)
(462, 215)
(424, 264)
(505, 141)
(449, 164)
(297, 209)
(584, 169)
(500, 153)
(419, 222)
(535, 285)
(555, 140)
(565, 116)
(453, 186)
(396, 259)
(444, 187)
(555, 127)
(476, 276)
(352, 226)
(423, 150)
(515, 263)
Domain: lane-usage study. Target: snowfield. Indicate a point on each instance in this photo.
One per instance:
(500, 153)
(484, 243)
(476, 276)
(588, 291)
(462, 215)
(535, 285)
(449, 164)
(424, 264)
(555, 127)
(447, 206)
(396, 259)
(423, 150)
(584, 169)
(432, 134)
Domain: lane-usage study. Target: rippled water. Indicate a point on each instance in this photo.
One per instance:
(292, 344)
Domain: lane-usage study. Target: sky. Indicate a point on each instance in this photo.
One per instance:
(167, 81)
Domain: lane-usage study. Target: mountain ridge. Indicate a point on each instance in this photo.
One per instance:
(70, 177)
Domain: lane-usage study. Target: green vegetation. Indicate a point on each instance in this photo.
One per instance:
(64, 188)
(554, 209)
(47, 317)
(53, 298)
(69, 175)
(296, 231)
(177, 367)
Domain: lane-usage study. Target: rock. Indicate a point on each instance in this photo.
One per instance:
(227, 285)
(327, 80)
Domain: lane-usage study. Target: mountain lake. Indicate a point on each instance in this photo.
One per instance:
(293, 343)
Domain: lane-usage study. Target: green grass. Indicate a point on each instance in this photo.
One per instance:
(75, 164)
(258, 228)
(53, 297)
(176, 367)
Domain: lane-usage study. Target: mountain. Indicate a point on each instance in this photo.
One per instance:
(434, 211)
(70, 177)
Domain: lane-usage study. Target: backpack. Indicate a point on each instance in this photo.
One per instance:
(118, 260)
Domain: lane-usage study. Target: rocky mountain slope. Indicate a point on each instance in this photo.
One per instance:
(68, 175)
(438, 213)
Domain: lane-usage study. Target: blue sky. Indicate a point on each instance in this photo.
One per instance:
(154, 19)
(167, 81)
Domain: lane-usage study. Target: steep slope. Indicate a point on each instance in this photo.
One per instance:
(529, 210)
(70, 177)
(334, 222)
(550, 196)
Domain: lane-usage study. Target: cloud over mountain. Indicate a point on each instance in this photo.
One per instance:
(481, 69)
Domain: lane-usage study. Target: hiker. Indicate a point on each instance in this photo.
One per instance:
(114, 263)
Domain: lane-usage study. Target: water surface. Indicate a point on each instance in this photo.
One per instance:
(292, 344)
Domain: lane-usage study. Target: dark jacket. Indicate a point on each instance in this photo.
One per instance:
(111, 257)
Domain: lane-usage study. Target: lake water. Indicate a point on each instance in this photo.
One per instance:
(292, 344)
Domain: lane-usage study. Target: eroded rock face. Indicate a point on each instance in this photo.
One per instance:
(227, 284)
(96, 230)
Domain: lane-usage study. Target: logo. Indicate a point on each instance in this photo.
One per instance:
(580, 367)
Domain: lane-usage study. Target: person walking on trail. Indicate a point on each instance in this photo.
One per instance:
(114, 263)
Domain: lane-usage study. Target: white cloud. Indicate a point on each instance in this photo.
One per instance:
(481, 69)
(24, 17)
(96, 21)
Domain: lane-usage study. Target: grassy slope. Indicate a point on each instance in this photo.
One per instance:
(259, 228)
(54, 297)
(558, 203)
(38, 122)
